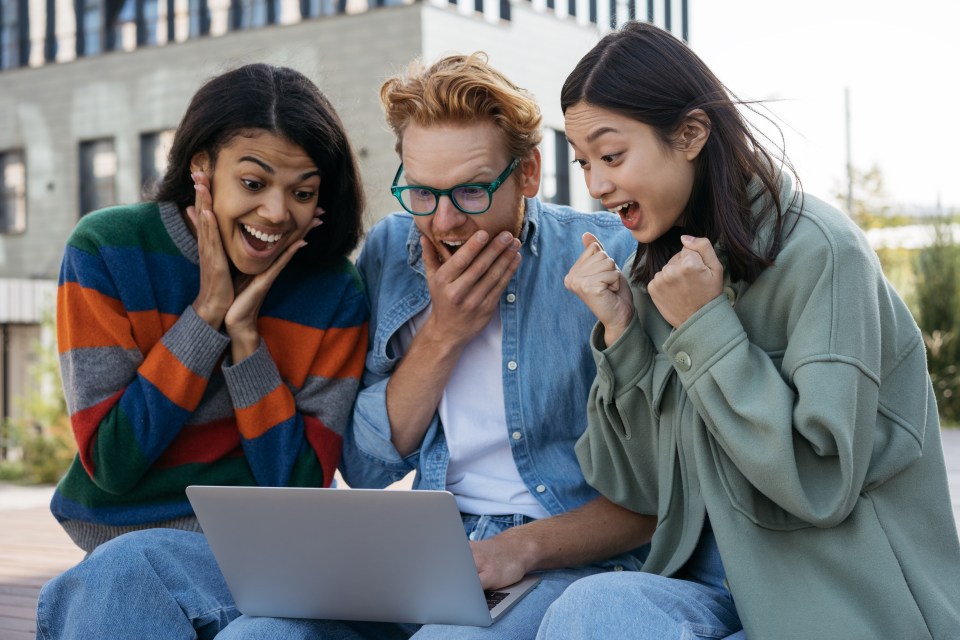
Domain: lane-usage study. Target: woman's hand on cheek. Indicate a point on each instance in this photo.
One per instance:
(692, 278)
(216, 286)
(241, 317)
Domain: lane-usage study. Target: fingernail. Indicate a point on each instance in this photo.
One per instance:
(686, 238)
(506, 237)
(482, 236)
(320, 211)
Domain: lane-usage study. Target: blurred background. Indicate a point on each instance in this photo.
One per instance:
(859, 93)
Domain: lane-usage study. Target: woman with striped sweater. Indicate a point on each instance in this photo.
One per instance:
(214, 335)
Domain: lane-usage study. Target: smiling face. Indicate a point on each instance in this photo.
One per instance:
(631, 170)
(444, 155)
(264, 191)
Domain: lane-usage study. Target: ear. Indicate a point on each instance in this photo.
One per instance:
(200, 162)
(693, 133)
(530, 174)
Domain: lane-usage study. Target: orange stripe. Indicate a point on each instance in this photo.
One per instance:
(295, 349)
(149, 326)
(172, 378)
(271, 410)
(344, 351)
(292, 345)
(88, 318)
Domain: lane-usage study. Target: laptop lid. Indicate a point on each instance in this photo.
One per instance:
(347, 554)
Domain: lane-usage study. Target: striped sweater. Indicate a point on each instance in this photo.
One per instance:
(154, 401)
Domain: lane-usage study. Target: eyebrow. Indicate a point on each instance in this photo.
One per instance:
(263, 165)
(417, 183)
(599, 132)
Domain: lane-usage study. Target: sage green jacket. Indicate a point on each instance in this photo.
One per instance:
(798, 414)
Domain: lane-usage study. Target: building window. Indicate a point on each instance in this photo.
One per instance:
(90, 32)
(248, 14)
(13, 192)
(154, 148)
(98, 172)
(14, 34)
(555, 154)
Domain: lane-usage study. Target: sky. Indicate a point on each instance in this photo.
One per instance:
(899, 60)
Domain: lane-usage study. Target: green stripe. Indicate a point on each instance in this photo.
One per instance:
(137, 225)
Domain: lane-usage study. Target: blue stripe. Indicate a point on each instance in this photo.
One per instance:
(322, 300)
(271, 469)
(127, 514)
(155, 420)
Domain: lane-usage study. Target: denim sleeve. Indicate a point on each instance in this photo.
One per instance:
(369, 458)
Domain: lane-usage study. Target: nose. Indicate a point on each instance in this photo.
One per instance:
(598, 184)
(273, 207)
(447, 217)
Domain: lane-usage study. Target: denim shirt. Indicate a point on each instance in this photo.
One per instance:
(547, 363)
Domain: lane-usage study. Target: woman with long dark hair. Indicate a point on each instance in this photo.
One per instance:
(761, 388)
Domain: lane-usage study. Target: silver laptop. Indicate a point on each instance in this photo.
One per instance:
(348, 554)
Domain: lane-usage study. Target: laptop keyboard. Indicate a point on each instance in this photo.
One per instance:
(494, 598)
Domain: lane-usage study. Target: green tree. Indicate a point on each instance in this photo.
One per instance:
(937, 302)
(45, 437)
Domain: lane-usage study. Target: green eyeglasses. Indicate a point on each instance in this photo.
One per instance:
(471, 197)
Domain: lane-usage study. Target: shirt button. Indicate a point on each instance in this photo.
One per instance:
(731, 294)
(541, 488)
(512, 365)
(511, 297)
(682, 360)
(473, 535)
(618, 567)
(517, 435)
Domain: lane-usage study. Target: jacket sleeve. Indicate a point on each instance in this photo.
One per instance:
(801, 441)
(294, 436)
(831, 405)
(618, 451)
(801, 433)
(126, 406)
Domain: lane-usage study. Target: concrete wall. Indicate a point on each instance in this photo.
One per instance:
(47, 111)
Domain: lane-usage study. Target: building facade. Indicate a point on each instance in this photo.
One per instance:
(91, 91)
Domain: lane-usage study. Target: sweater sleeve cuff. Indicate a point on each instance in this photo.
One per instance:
(195, 343)
(252, 378)
(704, 338)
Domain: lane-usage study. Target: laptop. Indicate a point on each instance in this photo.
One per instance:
(381, 555)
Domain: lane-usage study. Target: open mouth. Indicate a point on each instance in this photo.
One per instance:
(628, 211)
(258, 240)
(452, 245)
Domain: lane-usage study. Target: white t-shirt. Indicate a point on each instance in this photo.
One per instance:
(481, 473)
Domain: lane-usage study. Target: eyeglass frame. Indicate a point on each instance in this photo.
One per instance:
(489, 187)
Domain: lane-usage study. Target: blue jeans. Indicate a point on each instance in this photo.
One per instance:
(165, 584)
(156, 583)
(644, 606)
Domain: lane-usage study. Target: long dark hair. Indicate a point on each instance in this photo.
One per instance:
(644, 73)
(284, 102)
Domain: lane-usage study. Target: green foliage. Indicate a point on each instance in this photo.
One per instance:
(45, 439)
(937, 304)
